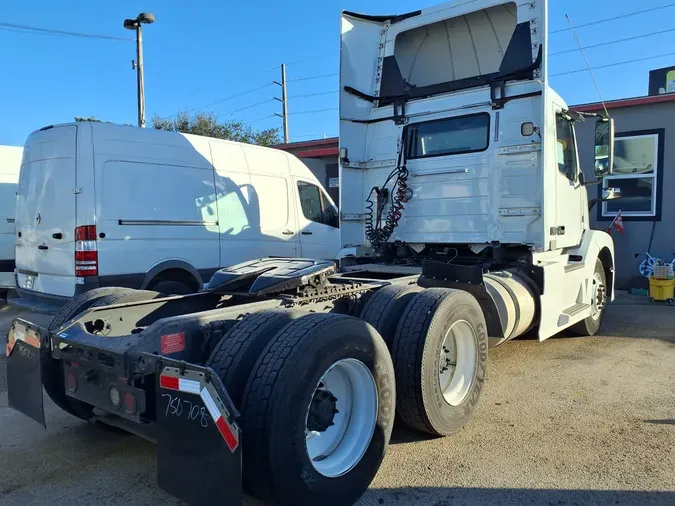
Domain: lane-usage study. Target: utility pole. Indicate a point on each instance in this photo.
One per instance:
(284, 102)
(135, 24)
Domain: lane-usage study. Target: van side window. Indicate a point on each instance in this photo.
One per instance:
(566, 152)
(315, 206)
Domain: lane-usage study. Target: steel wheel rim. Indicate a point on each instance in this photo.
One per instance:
(599, 296)
(339, 448)
(457, 364)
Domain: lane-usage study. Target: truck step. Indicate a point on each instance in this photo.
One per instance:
(570, 312)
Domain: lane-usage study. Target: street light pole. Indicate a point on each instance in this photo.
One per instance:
(135, 24)
(140, 90)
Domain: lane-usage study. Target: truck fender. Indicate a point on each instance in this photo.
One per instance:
(597, 244)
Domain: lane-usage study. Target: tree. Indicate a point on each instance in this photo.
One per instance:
(90, 118)
(206, 123)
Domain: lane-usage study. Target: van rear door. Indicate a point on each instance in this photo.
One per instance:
(45, 213)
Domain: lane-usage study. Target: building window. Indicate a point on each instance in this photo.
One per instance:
(636, 173)
(566, 153)
(450, 136)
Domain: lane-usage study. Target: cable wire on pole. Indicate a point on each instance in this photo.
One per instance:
(622, 16)
(613, 64)
(53, 31)
(613, 42)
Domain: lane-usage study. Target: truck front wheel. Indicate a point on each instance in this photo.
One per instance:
(318, 412)
(440, 357)
(590, 325)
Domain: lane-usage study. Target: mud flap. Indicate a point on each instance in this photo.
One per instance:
(24, 374)
(198, 439)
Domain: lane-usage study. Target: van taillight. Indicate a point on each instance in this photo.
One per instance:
(86, 251)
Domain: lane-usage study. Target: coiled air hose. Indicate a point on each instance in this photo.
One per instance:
(378, 233)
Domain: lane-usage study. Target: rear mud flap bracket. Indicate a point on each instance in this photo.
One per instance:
(24, 372)
(198, 439)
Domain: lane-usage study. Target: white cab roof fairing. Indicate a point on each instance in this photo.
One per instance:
(449, 47)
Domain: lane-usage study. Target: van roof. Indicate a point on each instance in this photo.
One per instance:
(297, 167)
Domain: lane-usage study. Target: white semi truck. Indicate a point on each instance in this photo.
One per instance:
(464, 223)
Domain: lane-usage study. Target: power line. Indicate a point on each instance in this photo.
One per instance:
(606, 20)
(314, 94)
(244, 108)
(226, 98)
(259, 119)
(314, 110)
(613, 42)
(53, 31)
(613, 64)
(312, 77)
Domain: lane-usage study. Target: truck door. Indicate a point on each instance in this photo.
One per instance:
(568, 187)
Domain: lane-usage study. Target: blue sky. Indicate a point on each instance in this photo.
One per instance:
(200, 52)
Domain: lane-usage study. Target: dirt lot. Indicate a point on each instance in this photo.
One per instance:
(565, 422)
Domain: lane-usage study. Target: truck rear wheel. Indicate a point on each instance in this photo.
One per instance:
(384, 309)
(318, 412)
(440, 356)
(590, 325)
(236, 353)
(52, 371)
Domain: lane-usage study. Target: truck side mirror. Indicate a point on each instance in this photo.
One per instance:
(604, 147)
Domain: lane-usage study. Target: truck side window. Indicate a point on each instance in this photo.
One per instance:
(315, 206)
(566, 152)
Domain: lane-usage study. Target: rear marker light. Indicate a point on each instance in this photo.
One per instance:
(86, 251)
(114, 395)
(71, 382)
(129, 403)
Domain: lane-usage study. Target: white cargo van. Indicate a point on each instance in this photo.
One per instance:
(10, 164)
(108, 205)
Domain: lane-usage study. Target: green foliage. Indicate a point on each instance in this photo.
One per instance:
(206, 124)
(90, 118)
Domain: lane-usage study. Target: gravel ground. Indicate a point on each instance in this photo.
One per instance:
(565, 422)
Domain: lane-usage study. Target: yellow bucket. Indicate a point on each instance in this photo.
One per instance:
(661, 289)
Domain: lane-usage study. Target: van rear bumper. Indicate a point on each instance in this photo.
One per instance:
(46, 303)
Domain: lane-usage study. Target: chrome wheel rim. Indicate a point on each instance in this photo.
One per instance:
(341, 418)
(457, 364)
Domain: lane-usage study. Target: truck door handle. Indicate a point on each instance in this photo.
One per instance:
(306, 232)
(287, 232)
(43, 246)
(57, 235)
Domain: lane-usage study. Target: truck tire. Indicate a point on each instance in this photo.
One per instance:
(324, 387)
(169, 288)
(52, 372)
(384, 309)
(440, 357)
(590, 325)
(236, 353)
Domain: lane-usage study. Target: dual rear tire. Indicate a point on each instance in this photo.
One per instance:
(318, 392)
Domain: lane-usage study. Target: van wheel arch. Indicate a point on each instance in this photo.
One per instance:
(173, 271)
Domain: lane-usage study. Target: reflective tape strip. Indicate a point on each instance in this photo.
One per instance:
(180, 384)
(27, 338)
(210, 405)
(223, 427)
(169, 382)
(189, 386)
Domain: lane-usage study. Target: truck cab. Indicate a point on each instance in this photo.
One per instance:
(453, 144)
